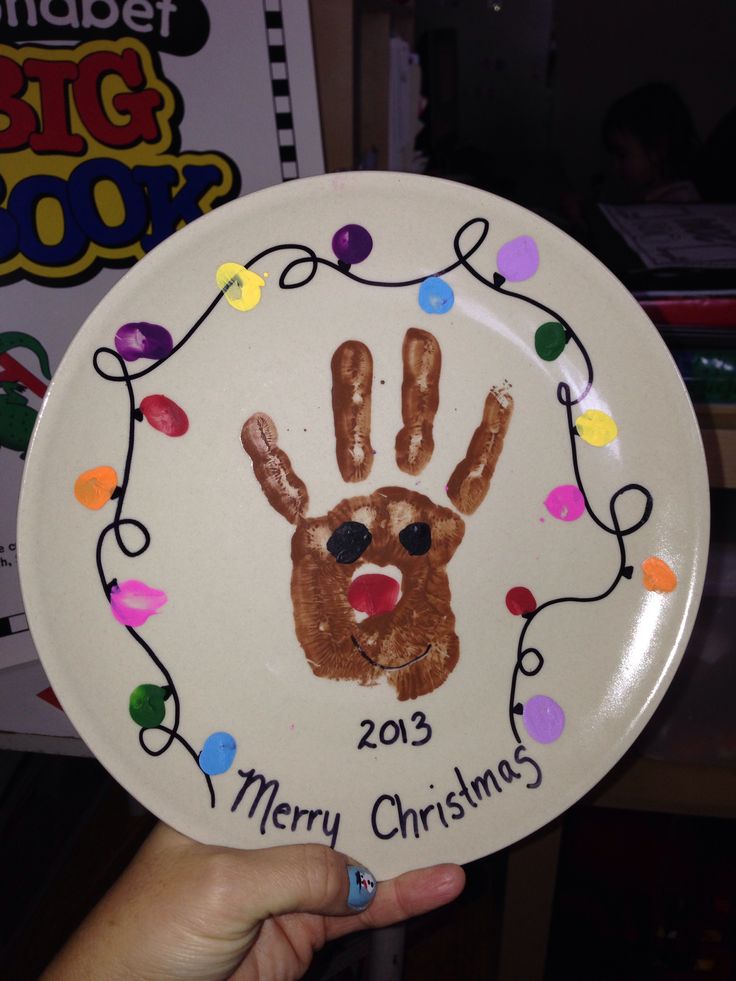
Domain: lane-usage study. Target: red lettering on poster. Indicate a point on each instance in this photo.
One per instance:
(54, 134)
(139, 104)
(91, 171)
(21, 118)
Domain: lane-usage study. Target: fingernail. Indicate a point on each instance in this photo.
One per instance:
(362, 887)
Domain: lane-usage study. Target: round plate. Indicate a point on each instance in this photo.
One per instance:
(368, 510)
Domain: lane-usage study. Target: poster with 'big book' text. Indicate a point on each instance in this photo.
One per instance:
(121, 121)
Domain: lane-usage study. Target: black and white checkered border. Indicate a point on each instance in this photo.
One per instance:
(280, 88)
(16, 623)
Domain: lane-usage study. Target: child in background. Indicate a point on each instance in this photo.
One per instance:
(652, 139)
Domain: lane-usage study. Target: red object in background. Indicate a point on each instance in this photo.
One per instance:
(373, 593)
(691, 311)
(13, 371)
(48, 696)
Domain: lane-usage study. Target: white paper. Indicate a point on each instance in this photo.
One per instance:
(674, 236)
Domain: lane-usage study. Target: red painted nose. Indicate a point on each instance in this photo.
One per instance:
(373, 593)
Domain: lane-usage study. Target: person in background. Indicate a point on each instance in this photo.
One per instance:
(715, 169)
(651, 137)
(183, 910)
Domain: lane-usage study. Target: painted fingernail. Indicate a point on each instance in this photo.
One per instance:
(362, 887)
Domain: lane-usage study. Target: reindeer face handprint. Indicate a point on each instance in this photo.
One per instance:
(369, 585)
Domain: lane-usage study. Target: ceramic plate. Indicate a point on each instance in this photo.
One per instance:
(367, 510)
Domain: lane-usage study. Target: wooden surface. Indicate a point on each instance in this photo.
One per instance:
(643, 784)
(636, 784)
(720, 455)
(333, 37)
(531, 876)
(375, 30)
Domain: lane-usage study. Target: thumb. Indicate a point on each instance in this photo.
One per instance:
(309, 879)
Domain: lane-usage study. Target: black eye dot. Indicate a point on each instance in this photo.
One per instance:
(348, 542)
(416, 538)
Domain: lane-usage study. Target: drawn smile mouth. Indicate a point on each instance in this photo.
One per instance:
(387, 667)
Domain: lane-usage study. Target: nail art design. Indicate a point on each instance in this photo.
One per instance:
(362, 887)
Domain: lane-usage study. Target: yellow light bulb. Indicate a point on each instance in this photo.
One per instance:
(596, 427)
(242, 288)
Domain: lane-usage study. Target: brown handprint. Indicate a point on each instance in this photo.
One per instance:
(398, 623)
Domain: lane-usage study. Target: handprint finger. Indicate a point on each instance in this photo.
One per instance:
(286, 493)
(471, 478)
(352, 381)
(420, 399)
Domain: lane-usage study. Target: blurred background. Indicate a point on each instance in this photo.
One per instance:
(616, 122)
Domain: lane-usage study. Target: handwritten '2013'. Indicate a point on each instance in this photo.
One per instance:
(395, 731)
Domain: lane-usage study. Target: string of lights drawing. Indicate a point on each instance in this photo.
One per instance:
(132, 602)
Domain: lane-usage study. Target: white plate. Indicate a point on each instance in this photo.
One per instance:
(520, 648)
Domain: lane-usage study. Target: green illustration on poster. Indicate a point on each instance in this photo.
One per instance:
(17, 417)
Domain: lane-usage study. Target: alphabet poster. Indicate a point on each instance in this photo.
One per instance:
(121, 121)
